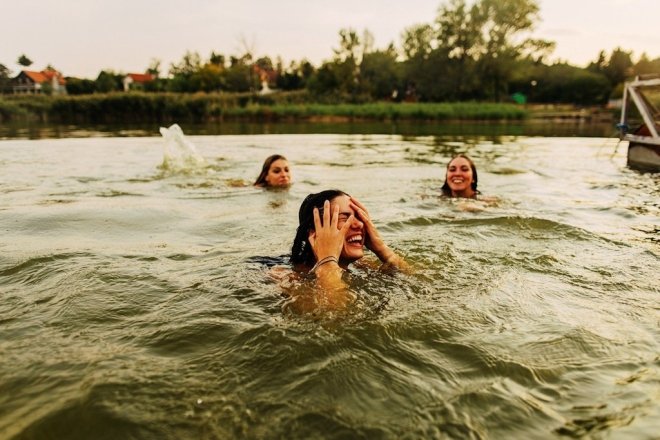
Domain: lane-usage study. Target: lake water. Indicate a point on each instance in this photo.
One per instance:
(132, 304)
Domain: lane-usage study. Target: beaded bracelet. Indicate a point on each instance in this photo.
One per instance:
(322, 261)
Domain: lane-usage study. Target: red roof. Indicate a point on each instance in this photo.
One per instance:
(37, 77)
(268, 75)
(45, 76)
(141, 77)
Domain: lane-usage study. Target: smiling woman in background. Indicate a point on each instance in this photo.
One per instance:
(461, 178)
(275, 173)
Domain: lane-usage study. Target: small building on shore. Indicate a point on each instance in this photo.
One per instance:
(48, 81)
(137, 81)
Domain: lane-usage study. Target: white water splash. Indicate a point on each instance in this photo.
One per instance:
(180, 154)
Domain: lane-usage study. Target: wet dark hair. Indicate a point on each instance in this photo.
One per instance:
(261, 180)
(301, 251)
(475, 179)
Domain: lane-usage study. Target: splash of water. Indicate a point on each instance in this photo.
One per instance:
(180, 154)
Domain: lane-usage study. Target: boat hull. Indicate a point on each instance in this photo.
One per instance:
(643, 156)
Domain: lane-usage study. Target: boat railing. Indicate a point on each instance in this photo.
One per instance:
(647, 110)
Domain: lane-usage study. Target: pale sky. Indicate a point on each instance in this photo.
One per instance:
(83, 37)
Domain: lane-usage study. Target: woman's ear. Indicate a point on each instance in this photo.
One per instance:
(311, 238)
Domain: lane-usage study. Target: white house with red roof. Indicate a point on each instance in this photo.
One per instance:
(137, 80)
(46, 81)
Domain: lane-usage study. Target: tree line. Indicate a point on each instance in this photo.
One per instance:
(479, 52)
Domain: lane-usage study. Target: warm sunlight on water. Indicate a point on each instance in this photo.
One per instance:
(132, 306)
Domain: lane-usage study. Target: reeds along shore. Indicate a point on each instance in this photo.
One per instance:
(164, 107)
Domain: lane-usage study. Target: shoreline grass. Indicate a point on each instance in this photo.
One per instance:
(169, 107)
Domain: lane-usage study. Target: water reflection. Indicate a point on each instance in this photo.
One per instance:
(443, 131)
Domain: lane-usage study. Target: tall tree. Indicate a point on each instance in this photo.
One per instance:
(460, 29)
(619, 66)
(506, 23)
(5, 78)
(646, 66)
(24, 61)
(349, 46)
(346, 64)
(379, 73)
(183, 72)
(217, 59)
(460, 37)
(598, 66)
(417, 41)
(154, 67)
(109, 81)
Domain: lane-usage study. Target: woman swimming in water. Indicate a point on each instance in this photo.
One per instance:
(275, 173)
(333, 230)
(461, 178)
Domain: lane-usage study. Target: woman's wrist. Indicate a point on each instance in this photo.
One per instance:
(386, 254)
(330, 259)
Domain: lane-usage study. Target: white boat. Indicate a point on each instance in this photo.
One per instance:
(644, 139)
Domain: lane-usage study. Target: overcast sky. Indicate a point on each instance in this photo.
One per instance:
(83, 37)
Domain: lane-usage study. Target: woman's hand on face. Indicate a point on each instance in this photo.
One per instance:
(372, 241)
(326, 240)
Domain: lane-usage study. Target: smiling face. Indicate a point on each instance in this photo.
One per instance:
(460, 178)
(279, 174)
(354, 241)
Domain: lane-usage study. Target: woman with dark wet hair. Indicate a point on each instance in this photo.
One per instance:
(332, 232)
(275, 173)
(461, 178)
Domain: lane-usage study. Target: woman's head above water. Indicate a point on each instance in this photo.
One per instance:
(352, 248)
(275, 172)
(333, 230)
(461, 178)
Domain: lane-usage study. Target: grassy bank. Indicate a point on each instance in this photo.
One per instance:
(168, 107)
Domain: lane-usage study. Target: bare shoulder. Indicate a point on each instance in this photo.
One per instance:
(284, 275)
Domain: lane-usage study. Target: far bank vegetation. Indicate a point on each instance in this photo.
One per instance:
(473, 61)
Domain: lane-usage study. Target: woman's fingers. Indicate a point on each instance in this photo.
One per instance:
(347, 225)
(335, 216)
(326, 213)
(357, 203)
(361, 213)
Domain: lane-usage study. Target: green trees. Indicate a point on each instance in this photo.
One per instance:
(78, 86)
(471, 51)
(357, 72)
(619, 67)
(5, 79)
(380, 74)
(295, 77)
(616, 68)
(506, 27)
(108, 81)
(560, 83)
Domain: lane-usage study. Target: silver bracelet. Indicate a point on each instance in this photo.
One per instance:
(321, 262)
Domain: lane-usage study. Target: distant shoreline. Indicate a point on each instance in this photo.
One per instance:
(284, 107)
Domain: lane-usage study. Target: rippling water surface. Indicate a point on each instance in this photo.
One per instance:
(132, 304)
